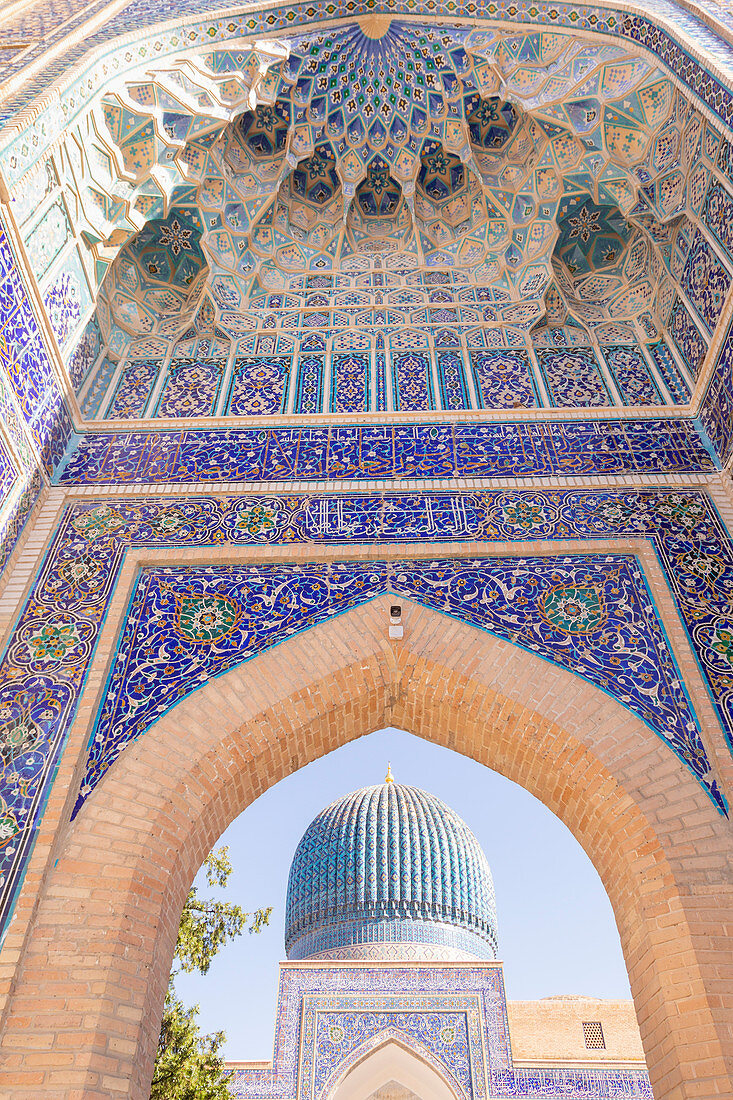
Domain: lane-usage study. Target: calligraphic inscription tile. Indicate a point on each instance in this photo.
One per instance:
(462, 450)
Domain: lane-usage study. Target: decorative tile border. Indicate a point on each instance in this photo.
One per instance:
(44, 666)
(389, 451)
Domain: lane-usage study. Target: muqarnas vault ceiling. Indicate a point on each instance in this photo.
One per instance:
(389, 215)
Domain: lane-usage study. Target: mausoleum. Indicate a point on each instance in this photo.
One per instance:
(392, 986)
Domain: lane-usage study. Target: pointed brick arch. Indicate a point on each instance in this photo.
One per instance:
(91, 984)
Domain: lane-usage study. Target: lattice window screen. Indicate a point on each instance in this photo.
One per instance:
(593, 1033)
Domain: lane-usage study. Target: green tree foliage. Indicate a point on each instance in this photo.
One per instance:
(188, 1065)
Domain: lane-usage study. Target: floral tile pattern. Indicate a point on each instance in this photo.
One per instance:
(25, 361)
(686, 335)
(706, 281)
(133, 390)
(629, 368)
(591, 615)
(258, 386)
(191, 388)
(350, 386)
(573, 377)
(504, 379)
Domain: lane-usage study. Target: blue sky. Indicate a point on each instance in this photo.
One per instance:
(557, 932)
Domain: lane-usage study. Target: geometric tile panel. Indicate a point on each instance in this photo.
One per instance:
(665, 364)
(541, 203)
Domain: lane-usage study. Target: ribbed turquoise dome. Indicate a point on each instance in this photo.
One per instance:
(390, 865)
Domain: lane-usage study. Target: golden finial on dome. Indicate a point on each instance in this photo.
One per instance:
(389, 778)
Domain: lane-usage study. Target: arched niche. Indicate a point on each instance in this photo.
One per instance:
(392, 1064)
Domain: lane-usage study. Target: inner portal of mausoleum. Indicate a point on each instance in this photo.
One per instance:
(361, 364)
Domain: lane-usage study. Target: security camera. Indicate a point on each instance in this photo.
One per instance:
(395, 621)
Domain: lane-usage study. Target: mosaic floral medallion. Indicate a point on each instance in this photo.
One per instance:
(205, 618)
(574, 610)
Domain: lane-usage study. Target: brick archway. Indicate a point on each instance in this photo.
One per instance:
(91, 984)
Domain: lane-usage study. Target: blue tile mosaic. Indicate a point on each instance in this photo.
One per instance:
(24, 359)
(644, 29)
(341, 892)
(573, 377)
(309, 385)
(716, 412)
(350, 387)
(452, 380)
(258, 386)
(631, 373)
(85, 354)
(718, 214)
(665, 364)
(47, 657)
(687, 337)
(133, 390)
(191, 388)
(504, 379)
(705, 281)
(589, 614)
(412, 381)
(392, 451)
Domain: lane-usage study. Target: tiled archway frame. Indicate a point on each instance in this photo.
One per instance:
(117, 877)
(53, 644)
